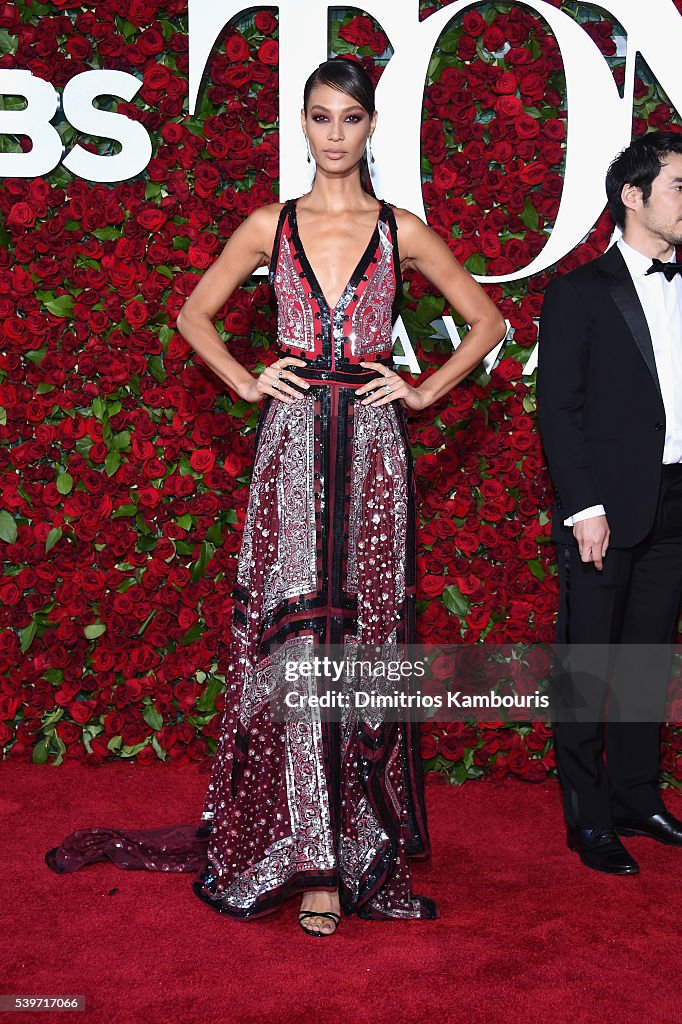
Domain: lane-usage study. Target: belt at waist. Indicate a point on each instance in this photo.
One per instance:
(346, 378)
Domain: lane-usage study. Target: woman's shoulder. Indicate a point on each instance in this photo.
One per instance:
(265, 216)
(406, 219)
(259, 229)
(408, 224)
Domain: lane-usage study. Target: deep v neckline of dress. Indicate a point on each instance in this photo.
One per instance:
(359, 266)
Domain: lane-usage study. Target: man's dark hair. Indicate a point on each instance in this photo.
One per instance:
(638, 165)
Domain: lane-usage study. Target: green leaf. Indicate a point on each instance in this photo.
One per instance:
(36, 355)
(124, 510)
(27, 634)
(185, 522)
(156, 368)
(44, 388)
(111, 463)
(146, 622)
(41, 751)
(161, 753)
(529, 215)
(53, 536)
(195, 632)
(152, 717)
(60, 306)
(536, 568)
(127, 751)
(165, 333)
(455, 601)
(147, 543)
(121, 440)
(8, 528)
(8, 43)
(430, 307)
(64, 483)
(240, 408)
(89, 733)
(99, 407)
(127, 583)
(3, 416)
(476, 264)
(107, 234)
(206, 702)
(458, 774)
(214, 535)
(199, 567)
(94, 630)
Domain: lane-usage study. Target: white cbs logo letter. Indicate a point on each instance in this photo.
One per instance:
(47, 151)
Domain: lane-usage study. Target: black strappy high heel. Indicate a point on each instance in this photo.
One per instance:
(336, 918)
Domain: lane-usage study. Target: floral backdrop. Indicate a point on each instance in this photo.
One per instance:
(125, 464)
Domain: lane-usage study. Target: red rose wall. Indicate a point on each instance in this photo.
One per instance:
(125, 464)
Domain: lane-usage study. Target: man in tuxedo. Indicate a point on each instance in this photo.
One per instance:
(610, 415)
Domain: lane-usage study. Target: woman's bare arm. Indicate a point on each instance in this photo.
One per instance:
(248, 248)
(424, 250)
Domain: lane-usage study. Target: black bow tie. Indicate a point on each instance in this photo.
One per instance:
(669, 269)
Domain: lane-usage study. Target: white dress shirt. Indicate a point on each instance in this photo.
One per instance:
(662, 304)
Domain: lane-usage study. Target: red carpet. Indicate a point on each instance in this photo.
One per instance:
(526, 933)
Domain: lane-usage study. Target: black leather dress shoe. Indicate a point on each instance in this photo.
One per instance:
(601, 850)
(663, 827)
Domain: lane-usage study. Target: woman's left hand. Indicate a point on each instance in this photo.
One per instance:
(390, 387)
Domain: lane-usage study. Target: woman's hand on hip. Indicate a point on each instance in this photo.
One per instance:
(389, 387)
(272, 381)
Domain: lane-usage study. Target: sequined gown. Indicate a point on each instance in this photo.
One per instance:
(327, 557)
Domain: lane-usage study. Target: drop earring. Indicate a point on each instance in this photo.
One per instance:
(369, 149)
(308, 148)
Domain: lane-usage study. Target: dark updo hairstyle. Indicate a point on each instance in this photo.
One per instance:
(350, 77)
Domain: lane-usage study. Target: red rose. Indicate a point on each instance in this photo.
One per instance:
(151, 219)
(433, 141)
(473, 24)
(236, 48)
(21, 215)
(137, 314)
(268, 52)
(526, 127)
(265, 22)
(432, 586)
(509, 106)
(506, 83)
(202, 460)
(82, 711)
(493, 39)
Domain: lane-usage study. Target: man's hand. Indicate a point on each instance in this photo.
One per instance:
(593, 539)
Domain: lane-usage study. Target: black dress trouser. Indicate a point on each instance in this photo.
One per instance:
(611, 770)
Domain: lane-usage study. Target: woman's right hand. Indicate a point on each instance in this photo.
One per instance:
(272, 381)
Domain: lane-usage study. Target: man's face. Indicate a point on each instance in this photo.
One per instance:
(660, 216)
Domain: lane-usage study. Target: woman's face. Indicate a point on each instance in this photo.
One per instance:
(337, 127)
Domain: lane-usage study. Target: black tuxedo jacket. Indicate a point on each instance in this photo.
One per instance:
(600, 409)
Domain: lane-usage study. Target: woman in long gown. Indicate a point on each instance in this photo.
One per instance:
(331, 810)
